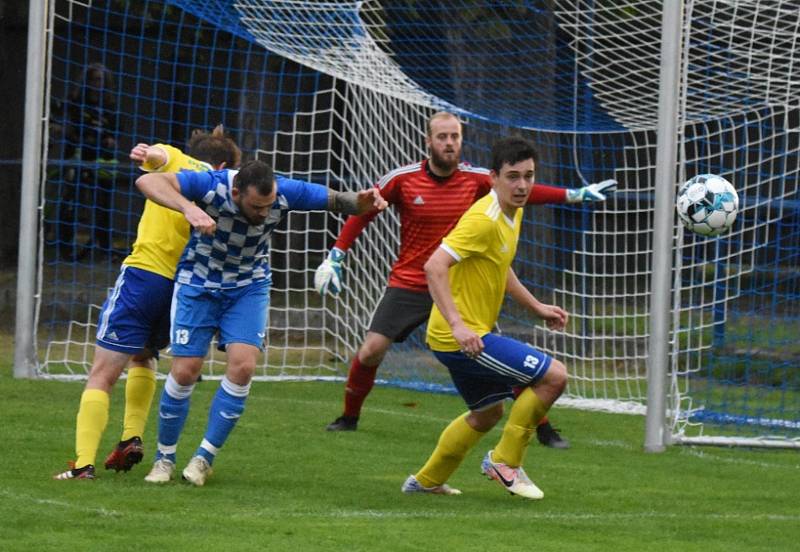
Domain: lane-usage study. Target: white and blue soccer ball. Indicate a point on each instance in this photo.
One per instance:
(707, 204)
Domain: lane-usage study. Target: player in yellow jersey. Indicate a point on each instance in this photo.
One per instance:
(134, 320)
(468, 277)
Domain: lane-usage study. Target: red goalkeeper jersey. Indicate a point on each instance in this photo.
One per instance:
(429, 207)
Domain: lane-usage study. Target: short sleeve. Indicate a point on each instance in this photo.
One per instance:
(195, 185)
(302, 195)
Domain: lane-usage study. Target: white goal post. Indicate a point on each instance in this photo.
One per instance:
(700, 333)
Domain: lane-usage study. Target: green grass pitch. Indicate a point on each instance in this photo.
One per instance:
(283, 483)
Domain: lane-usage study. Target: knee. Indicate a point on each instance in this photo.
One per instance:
(186, 369)
(105, 372)
(241, 367)
(102, 377)
(486, 419)
(145, 359)
(241, 372)
(373, 350)
(557, 376)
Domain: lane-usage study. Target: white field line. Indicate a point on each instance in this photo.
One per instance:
(72, 506)
(335, 405)
(705, 455)
(415, 513)
(528, 514)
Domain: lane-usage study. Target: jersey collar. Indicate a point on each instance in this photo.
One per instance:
(435, 177)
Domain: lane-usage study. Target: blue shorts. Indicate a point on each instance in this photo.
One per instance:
(240, 315)
(135, 316)
(503, 364)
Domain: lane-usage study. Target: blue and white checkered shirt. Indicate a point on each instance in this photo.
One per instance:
(238, 252)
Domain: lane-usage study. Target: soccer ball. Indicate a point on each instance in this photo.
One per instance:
(707, 204)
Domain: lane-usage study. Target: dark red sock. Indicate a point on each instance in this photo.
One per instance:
(542, 421)
(360, 380)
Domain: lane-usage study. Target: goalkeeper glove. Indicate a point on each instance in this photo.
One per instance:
(592, 192)
(328, 276)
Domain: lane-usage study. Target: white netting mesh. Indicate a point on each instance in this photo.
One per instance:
(581, 78)
(739, 55)
(336, 38)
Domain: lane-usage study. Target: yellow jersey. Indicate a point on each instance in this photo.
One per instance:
(484, 243)
(162, 233)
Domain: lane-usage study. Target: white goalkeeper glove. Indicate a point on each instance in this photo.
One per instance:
(592, 192)
(328, 276)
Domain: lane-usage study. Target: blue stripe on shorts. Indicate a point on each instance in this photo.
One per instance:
(503, 364)
(135, 316)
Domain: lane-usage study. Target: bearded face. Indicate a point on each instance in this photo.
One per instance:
(444, 144)
(253, 206)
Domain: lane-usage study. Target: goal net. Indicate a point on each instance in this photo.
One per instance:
(338, 93)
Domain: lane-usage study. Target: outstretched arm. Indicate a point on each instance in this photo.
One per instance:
(437, 270)
(352, 229)
(164, 189)
(356, 203)
(555, 317)
(541, 193)
(328, 276)
(592, 192)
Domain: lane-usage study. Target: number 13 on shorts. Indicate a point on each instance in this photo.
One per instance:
(181, 337)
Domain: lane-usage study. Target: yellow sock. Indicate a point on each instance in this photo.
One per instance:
(454, 443)
(528, 409)
(139, 391)
(91, 422)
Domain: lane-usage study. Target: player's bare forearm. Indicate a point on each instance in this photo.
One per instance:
(356, 203)
(520, 293)
(164, 189)
(555, 317)
(342, 202)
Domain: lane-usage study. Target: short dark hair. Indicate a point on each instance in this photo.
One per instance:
(255, 174)
(511, 150)
(214, 148)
